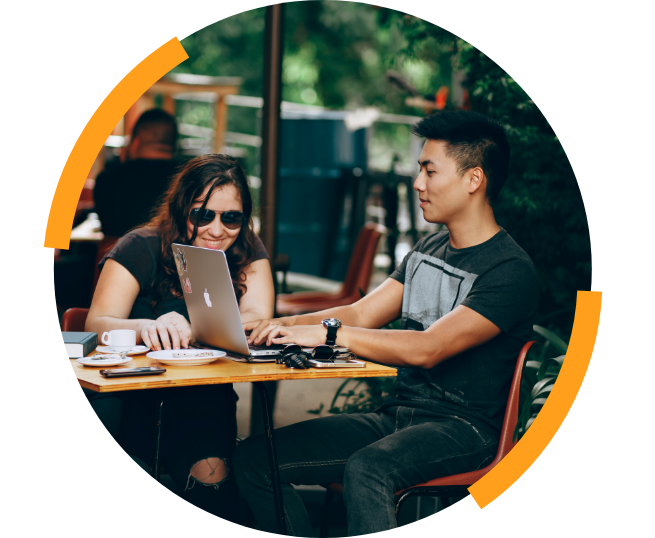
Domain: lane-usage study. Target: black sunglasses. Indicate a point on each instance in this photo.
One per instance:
(287, 350)
(293, 356)
(324, 353)
(231, 219)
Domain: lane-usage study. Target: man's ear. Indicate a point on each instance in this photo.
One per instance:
(476, 180)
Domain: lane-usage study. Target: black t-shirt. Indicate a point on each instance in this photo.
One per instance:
(498, 281)
(126, 194)
(140, 253)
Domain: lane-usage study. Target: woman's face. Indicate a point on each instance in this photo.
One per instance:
(216, 235)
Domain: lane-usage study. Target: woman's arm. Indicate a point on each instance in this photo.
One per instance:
(258, 301)
(112, 303)
(113, 299)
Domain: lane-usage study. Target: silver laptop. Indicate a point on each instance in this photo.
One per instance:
(212, 305)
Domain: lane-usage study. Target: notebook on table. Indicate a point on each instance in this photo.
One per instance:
(79, 344)
(212, 305)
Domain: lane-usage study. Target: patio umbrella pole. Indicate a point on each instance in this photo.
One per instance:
(273, 48)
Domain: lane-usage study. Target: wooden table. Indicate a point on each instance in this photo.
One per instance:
(219, 372)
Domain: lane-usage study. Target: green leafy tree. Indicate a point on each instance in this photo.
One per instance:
(540, 206)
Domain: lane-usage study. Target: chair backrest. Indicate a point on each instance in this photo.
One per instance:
(103, 247)
(505, 443)
(360, 266)
(512, 411)
(74, 319)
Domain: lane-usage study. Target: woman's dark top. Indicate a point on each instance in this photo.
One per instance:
(139, 252)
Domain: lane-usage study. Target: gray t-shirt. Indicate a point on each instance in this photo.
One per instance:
(498, 281)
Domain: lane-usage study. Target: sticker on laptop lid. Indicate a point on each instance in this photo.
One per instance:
(180, 262)
(187, 285)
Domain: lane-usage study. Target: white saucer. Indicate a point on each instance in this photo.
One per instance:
(166, 356)
(136, 350)
(105, 360)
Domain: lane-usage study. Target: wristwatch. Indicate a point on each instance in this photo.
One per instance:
(331, 324)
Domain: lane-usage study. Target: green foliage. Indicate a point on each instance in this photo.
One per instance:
(359, 395)
(539, 376)
(540, 205)
(340, 51)
(232, 47)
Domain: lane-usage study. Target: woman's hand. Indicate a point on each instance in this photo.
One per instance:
(260, 328)
(172, 329)
(303, 335)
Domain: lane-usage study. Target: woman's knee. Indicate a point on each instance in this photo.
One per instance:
(210, 471)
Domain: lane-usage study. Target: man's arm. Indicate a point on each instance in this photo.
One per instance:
(378, 308)
(457, 331)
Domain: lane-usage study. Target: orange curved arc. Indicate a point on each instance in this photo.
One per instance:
(104, 119)
(554, 411)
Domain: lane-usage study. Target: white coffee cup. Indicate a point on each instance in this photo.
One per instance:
(119, 340)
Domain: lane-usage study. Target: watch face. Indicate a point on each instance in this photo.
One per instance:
(332, 322)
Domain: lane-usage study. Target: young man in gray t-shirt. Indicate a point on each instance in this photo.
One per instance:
(466, 297)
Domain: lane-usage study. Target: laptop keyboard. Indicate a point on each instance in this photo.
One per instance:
(273, 347)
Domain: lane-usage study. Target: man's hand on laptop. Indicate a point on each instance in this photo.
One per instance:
(303, 335)
(260, 328)
(170, 331)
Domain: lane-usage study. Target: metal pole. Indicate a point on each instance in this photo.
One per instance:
(272, 458)
(159, 425)
(273, 49)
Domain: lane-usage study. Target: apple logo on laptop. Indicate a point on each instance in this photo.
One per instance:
(207, 299)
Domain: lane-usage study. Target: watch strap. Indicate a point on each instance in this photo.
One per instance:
(331, 335)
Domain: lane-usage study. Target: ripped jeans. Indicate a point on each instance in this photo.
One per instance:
(198, 423)
(373, 455)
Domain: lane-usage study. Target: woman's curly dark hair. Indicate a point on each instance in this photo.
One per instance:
(171, 217)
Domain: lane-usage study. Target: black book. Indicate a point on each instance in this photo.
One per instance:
(79, 344)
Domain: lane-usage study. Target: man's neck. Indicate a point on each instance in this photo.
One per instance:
(474, 229)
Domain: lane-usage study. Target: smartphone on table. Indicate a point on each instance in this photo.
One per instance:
(126, 372)
(337, 363)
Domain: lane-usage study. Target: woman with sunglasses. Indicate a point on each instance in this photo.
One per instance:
(208, 204)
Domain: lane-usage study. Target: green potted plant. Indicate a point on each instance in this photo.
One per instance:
(539, 376)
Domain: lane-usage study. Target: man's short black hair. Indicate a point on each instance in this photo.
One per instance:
(156, 126)
(472, 139)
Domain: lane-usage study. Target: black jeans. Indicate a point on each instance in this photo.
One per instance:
(197, 423)
(373, 455)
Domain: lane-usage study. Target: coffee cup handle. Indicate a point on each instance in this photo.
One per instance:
(106, 341)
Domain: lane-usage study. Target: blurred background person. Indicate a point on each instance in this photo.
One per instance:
(125, 194)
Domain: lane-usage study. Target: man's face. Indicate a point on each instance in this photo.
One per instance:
(442, 190)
